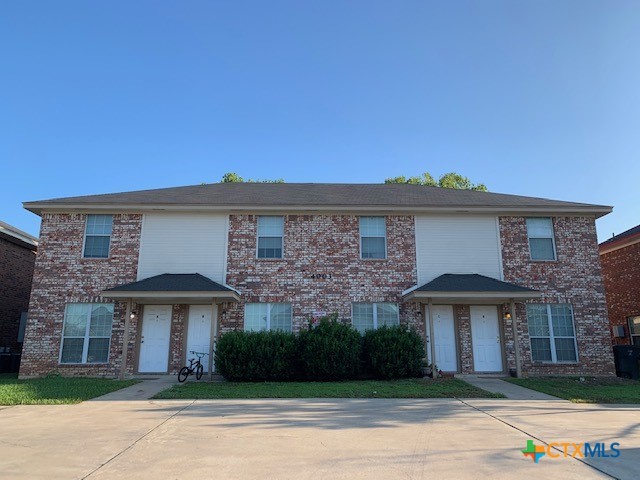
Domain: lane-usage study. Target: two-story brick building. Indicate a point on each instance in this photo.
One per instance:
(131, 282)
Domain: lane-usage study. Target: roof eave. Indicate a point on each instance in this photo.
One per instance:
(497, 295)
(125, 294)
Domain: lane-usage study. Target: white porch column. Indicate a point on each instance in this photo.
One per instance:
(516, 343)
(432, 344)
(125, 340)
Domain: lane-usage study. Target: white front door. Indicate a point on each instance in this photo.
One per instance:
(199, 333)
(444, 338)
(485, 336)
(154, 339)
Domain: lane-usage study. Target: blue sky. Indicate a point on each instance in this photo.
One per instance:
(531, 98)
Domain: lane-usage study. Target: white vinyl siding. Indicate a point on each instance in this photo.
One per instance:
(183, 243)
(267, 316)
(371, 316)
(552, 333)
(542, 243)
(373, 237)
(97, 236)
(457, 244)
(86, 334)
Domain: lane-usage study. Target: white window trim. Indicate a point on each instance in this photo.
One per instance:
(86, 337)
(268, 236)
(268, 304)
(631, 334)
(375, 311)
(552, 337)
(360, 237)
(553, 242)
(84, 238)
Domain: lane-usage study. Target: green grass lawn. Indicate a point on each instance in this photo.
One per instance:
(54, 389)
(411, 388)
(590, 390)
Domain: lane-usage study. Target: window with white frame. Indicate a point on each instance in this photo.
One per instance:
(371, 316)
(86, 334)
(373, 237)
(97, 236)
(542, 243)
(267, 316)
(551, 333)
(634, 330)
(270, 236)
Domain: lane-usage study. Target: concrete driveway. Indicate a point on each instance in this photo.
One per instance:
(300, 439)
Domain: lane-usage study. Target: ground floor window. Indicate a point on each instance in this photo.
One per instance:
(267, 316)
(634, 330)
(86, 334)
(370, 316)
(552, 333)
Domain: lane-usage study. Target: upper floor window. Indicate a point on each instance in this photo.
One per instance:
(541, 240)
(267, 316)
(371, 316)
(373, 237)
(97, 236)
(551, 332)
(86, 334)
(270, 236)
(634, 330)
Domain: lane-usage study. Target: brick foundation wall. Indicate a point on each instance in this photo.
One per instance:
(16, 273)
(62, 276)
(320, 244)
(621, 271)
(575, 278)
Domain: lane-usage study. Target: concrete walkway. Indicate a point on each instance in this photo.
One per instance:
(509, 390)
(144, 390)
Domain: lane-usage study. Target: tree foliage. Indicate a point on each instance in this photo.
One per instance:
(448, 180)
(232, 177)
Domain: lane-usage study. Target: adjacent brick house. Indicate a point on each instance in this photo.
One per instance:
(17, 259)
(494, 282)
(620, 259)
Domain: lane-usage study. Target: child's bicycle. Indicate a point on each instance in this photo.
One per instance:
(195, 367)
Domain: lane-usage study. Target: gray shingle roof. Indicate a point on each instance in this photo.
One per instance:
(172, 282)
(234, 195)
(628, 233)
(450, 282)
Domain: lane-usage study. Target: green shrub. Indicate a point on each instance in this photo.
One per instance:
(393, 352)
(330, 350)
(257, 356)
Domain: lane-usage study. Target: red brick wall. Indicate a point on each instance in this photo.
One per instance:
(16, 272)
(621, 271)
(62, 276)
(575, 278)
(320, 244)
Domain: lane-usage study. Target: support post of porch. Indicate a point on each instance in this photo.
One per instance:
(432, 344)
(212, 339)
(125, 340)
(516, 342)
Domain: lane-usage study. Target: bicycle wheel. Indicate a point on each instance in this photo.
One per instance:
(184, 373)
(199, 371)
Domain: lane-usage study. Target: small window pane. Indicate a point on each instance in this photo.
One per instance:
(72, 350)
(101, 321)
(269, 247)
(387, 314)
(634, 325)
(565, 350)
(537, 320)
(373, 247)
(99, 224)
(541, 349)
(75, 320)
(98, 350)
(541, 249)
(561, 320)
(270, 226)
(280, 316)
(255, 317)
(363, 316)
(96, 247)
(539, 228)
(373, 227)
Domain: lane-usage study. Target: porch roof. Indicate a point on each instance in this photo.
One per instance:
(190, 288)
(465, 288)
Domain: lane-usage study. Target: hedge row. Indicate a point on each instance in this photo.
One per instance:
(328, 351)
